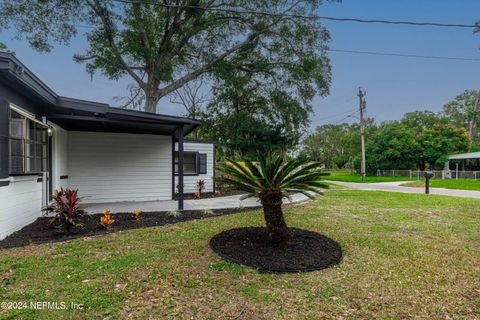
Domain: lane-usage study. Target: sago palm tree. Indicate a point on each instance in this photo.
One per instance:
(273, 178)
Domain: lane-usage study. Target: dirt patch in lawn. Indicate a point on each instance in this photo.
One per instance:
(43, 231)
(251, 246)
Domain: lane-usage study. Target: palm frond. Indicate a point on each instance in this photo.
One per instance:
(273, 173)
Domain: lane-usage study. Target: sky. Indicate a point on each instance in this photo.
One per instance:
(394, 85)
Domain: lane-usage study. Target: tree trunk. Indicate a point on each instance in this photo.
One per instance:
(471, 125)
(151, 103)
(151, 95)
(278, 231)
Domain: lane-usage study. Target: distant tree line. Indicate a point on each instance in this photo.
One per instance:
(420, 140)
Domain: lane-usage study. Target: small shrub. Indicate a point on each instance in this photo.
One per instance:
(106, 221)
(65, 208)
(136, 215)
(201, 185)
(174, 213)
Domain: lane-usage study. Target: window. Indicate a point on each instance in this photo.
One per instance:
(27, 145)
(190, 164)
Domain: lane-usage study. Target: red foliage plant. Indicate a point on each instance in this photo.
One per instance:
(200, 186)
(65, 208)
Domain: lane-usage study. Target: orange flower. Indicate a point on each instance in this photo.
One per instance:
(106, 220)
(197, 195)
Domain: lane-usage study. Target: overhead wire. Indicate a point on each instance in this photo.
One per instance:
(339, 19)
(394, 54)
(336, 115)
(376, 53)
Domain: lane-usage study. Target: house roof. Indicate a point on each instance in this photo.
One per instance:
(82, 115)
(469, 155)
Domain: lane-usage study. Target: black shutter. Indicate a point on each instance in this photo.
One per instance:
(202, 162)
(4, 135)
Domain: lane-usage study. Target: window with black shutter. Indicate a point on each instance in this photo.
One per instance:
(202, 163)
(27, 145)
(190, 162)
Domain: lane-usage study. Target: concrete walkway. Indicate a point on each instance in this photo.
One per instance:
(395, 187)
(168, 205)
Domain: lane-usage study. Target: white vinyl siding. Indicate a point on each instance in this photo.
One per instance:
(20, 203)
(112, 167)
(189, 182)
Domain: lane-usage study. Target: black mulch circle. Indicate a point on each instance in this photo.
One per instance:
(250, 246)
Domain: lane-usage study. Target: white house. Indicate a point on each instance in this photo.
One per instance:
(108, 154)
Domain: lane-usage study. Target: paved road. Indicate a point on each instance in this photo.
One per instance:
(395, 187)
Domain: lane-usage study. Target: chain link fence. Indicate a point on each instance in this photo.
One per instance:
(437, 174)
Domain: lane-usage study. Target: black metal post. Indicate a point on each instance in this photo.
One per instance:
(180, 167)
(4, 136)
(173, 164)
(428, 176)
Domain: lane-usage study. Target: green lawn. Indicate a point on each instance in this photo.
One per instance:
(463, 184)
(405, 256)
(346, 176)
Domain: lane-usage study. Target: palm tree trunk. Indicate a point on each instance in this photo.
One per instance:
(278, 231)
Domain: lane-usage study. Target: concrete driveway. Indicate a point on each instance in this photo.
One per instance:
(395, 187)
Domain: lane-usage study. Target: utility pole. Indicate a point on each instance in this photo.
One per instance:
(363, 106)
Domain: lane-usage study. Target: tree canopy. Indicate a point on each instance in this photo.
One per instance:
(393, 147)
(463, 112)
(164, 46)
(420, 140)
(441, 140)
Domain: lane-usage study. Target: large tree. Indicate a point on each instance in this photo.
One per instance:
(440, 141)
(421, 120)
(242, 135)
(337, 145)
(250, 117)
(463, 111)
(394, 146)
(326, 145)
(164, 45)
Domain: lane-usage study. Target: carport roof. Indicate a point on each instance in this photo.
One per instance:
(81, 115)
(469, 155)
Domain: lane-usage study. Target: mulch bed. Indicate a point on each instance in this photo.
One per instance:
(251, 246)
(42, 231)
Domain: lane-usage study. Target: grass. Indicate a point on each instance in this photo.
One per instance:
(405, 256)
(462, 184)
(346, 176)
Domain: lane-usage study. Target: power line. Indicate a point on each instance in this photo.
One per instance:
(348, 116)
(338, 114)
(338, 19)
(375, 53)
(393, 54)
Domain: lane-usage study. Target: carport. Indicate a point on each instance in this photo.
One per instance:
(463, 161)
